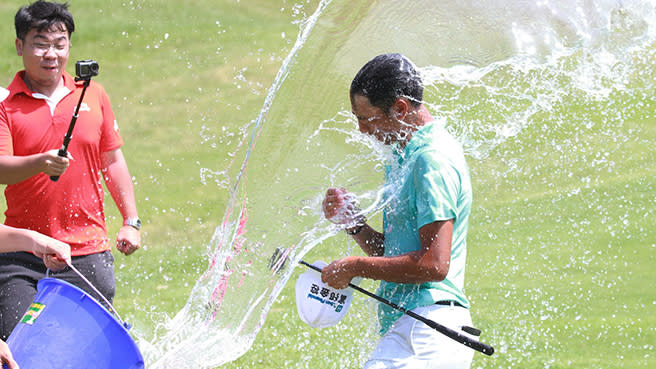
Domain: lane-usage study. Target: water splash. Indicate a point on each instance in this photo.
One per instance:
(500, 75)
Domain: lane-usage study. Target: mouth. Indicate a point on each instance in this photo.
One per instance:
(50, 68)
(383, 137)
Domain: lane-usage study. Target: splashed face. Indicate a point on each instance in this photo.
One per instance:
(373, 121)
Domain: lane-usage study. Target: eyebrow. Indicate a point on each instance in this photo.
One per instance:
(42, 37)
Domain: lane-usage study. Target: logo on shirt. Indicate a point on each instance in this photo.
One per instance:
(84, 107)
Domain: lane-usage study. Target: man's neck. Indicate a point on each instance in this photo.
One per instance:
(47, 90)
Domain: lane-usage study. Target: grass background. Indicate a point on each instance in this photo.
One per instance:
(562, 241)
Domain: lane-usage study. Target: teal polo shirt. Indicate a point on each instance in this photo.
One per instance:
(427, 182)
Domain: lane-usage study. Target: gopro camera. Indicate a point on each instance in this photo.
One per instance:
(85, 69)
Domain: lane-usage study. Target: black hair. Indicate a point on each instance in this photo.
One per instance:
(43, 15)
(387, 77)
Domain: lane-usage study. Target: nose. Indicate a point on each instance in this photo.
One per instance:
(50, 52)
(362, 126)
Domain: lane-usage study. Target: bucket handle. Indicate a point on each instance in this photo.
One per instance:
(113, 310)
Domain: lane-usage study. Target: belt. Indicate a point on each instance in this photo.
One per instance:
(449, 303)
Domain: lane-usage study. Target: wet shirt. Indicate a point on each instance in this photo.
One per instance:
(71, 209)
(427, 182)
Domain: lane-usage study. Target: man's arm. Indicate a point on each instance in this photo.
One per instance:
(370, 241)
(428, 264)
(55, 254)
(14, 169)
(338, 208)
(119, 183)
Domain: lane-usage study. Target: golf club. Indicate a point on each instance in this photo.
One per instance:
(454, 335)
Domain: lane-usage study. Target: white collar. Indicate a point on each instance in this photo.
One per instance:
(3, 93)
(54, 99)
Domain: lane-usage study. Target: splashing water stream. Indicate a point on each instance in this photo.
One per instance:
(531, 90)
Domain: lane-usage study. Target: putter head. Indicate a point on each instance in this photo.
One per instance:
(278, 260)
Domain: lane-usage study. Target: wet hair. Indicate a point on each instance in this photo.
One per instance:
(43, 15)
(387, 77)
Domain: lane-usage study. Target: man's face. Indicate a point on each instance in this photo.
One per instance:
(45, 55)
(374, 121)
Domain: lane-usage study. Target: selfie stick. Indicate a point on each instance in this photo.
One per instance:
(461, 338)
(63, 151)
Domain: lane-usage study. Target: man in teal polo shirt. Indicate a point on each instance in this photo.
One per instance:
(420, 255)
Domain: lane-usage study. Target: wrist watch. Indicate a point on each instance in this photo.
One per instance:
(133, 222)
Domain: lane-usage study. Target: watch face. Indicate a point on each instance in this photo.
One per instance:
(136, 223)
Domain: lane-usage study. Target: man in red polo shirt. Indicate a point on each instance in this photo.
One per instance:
(34, 119)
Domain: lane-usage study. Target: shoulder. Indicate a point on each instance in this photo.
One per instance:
(94, 92)
(94, 87)
(444, 148)
(433, 162)
(73, 84)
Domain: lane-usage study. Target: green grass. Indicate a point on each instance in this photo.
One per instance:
(562, 236)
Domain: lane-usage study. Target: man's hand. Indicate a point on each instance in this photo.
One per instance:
(341, 207)
(339, 273)
(53, 164)
(56, 255)
(5, 356)
(128, 240)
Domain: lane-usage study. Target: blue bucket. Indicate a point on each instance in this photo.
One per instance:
(66, 328)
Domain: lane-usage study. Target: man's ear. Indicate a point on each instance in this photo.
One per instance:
(400, 108)
(19, 46)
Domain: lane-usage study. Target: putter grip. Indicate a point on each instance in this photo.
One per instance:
(456, 336)
(62, 153)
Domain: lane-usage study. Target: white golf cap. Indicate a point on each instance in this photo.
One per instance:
(3, 93)
(318, 304)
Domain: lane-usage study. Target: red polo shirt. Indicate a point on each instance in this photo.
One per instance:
(71, 209)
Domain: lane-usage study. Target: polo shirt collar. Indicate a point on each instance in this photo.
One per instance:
(18, 85)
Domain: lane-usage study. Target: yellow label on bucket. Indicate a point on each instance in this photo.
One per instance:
(32, 313)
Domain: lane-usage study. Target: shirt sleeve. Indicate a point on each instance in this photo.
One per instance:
(437, 184)
(6, 143)
(111, 138)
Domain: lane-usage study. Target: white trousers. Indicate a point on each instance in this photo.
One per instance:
(411, 344)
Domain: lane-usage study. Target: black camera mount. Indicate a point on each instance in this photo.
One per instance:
(84, 69)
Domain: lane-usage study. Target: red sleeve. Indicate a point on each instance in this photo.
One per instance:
(111, 137)
(6, 145)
